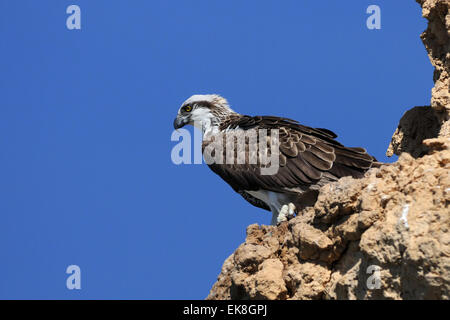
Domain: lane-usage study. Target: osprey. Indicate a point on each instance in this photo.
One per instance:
(307, 158)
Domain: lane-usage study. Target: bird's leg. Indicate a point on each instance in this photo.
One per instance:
(274, 220)
(287, 212)
(283, 215)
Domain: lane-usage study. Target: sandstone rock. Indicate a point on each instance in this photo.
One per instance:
(268, 282)
(436, 39)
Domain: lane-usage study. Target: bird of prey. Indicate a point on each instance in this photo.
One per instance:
(307, 157)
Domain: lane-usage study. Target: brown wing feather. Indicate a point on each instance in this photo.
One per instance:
(305, 154)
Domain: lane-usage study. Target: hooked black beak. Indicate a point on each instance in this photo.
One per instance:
(179, 122)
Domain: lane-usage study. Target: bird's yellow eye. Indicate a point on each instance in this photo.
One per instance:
(188, 108)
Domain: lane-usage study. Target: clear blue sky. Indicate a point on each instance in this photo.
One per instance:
(86, 118)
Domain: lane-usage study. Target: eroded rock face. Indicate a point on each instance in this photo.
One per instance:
(385, 236)
(395, 220)
(422, 123)
(436, 39)
(416, 125)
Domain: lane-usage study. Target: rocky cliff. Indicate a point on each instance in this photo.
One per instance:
(385, 236)
(421, 123)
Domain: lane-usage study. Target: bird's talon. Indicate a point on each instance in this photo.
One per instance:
(292, 210)
(283, 215)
